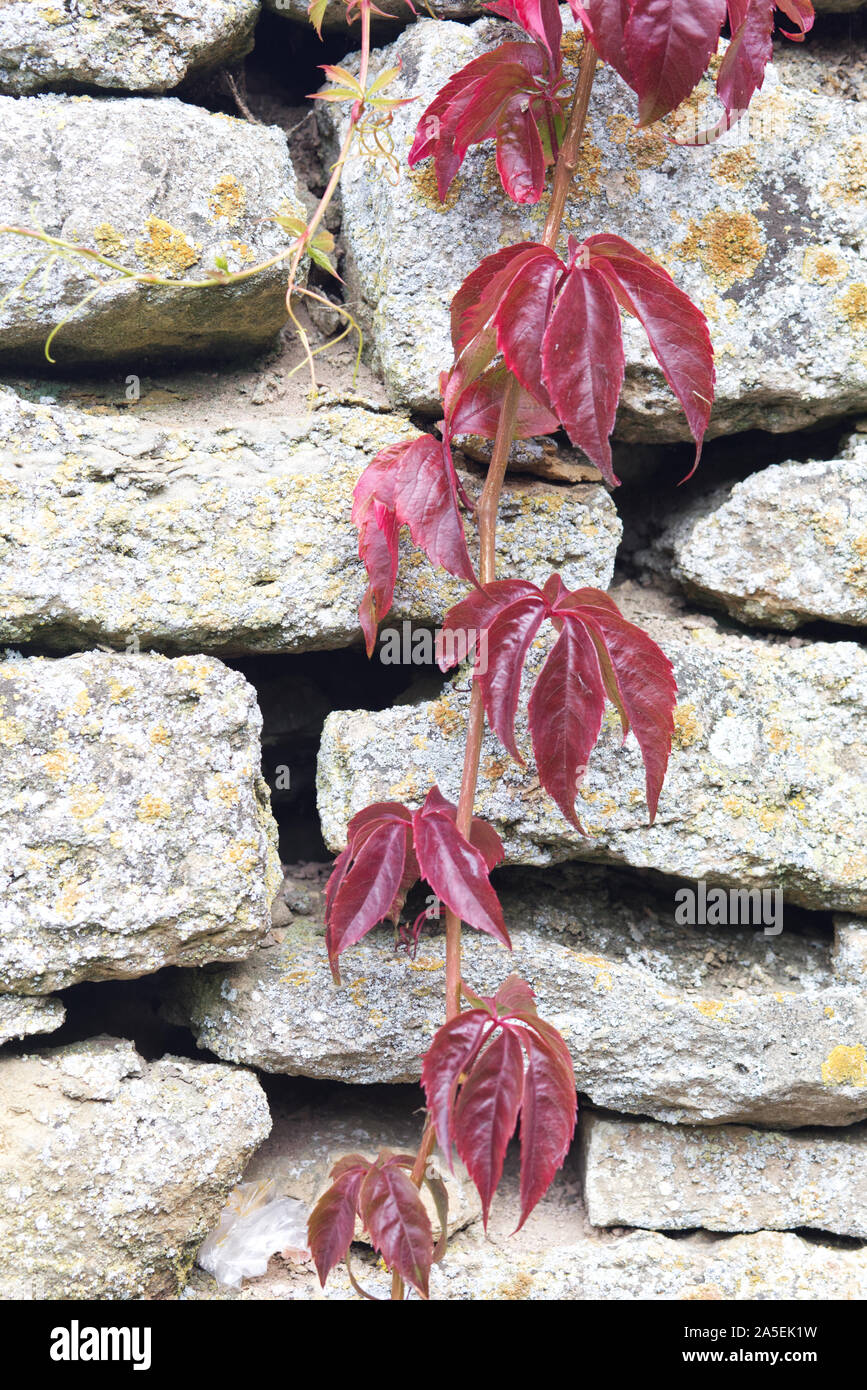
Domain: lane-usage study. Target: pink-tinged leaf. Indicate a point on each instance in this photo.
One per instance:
(583, 364)
(540, 18)
(520, 156)
(647, 688)
(669, 43)
(369, 888)
(486, 1113)
(565, 716)
(331, 1224)
(548, 1116)
(373, 514)
(448, 1058)
(475, 302)
(676, 328)
(477, 410)
(509, 638)
(742, 70)
(399, 1227)
(522, 318)
(479, 120)
(605, 22)
(477, 611)
(426, 500)
(457, 872)
(515, 997)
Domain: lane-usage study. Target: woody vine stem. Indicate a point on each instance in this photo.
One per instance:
(489, 502)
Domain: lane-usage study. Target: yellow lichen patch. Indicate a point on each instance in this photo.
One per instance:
(846, 1066)
(242, 250)
(160, 734)
(225, 789)
(297, 977)
(11, 731)
(852, 306)
(68, 899)
(117, 691)
(228, 200)
(244, 854)
(109, 240)
(423, 187)
(735, 167)
(829, 1012)
(58, 764)
(603, 971)
(712, 1008)
(86, 803)
(153, 808)
(447, 720)
(687, 729)
(357, 992)
(822, 266)
(589, 167)
(426, 963)
(165, 249)
(849, 182)
(80, 705)
(728, 246)
(648, 148)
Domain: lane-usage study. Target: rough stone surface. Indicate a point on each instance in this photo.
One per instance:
(765, 786)
(21, 1015)
(113, 1169)
(135, 830)
(307, 1140)
(698, 1024)
(640, 1265)
(786, 546)
(159, 186)
(397, 10)
(764, 231)
(135, 45)
(679, 1177)
(234, 539)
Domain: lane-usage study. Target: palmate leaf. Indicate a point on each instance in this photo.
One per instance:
(556, 326)
(486, 1068)
(389, 848)
(598, 653)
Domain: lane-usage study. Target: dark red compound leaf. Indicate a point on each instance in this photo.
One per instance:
(331, 1224)
(412, 483)
(598, 653)
(477, 1084)
(477, 409)
(540, 19)
(389, 848)
(557, 328)
(394, 1216)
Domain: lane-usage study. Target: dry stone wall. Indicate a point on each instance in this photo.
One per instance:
(180, 663)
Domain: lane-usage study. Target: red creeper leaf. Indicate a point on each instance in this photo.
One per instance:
(486, 1113)
(457, 871)
(547, 1115)
(331, 1224)
(394, 1215)
(565, 715)
(449, 1056)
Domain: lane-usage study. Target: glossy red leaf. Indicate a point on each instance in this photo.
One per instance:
(548, 1114)
(522, 318)
(583, 364)
(369, 886)
(448, 1058)
(742, 70)
(477, 409)
(565, 715)
(605, 22)
(331, 1224)
(676, 328)
(669, 45)
(426, 500)
(509, 638)
(514, 997)
(397, 1222)
(540, 19)
(457, 871)
(482, 835)
(647, 688)
(520, 156)
(486, 1113)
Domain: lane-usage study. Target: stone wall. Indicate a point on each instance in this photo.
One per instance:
(188, 722)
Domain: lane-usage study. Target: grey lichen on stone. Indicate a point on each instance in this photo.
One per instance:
(158, 186)
(679, 1177)
(764, 230)
(765, 785)
(21, 1015)
(113, 1169)
(693, 1025)
(786, 546)
(233, 539)
(135, 828)
(134, 45)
